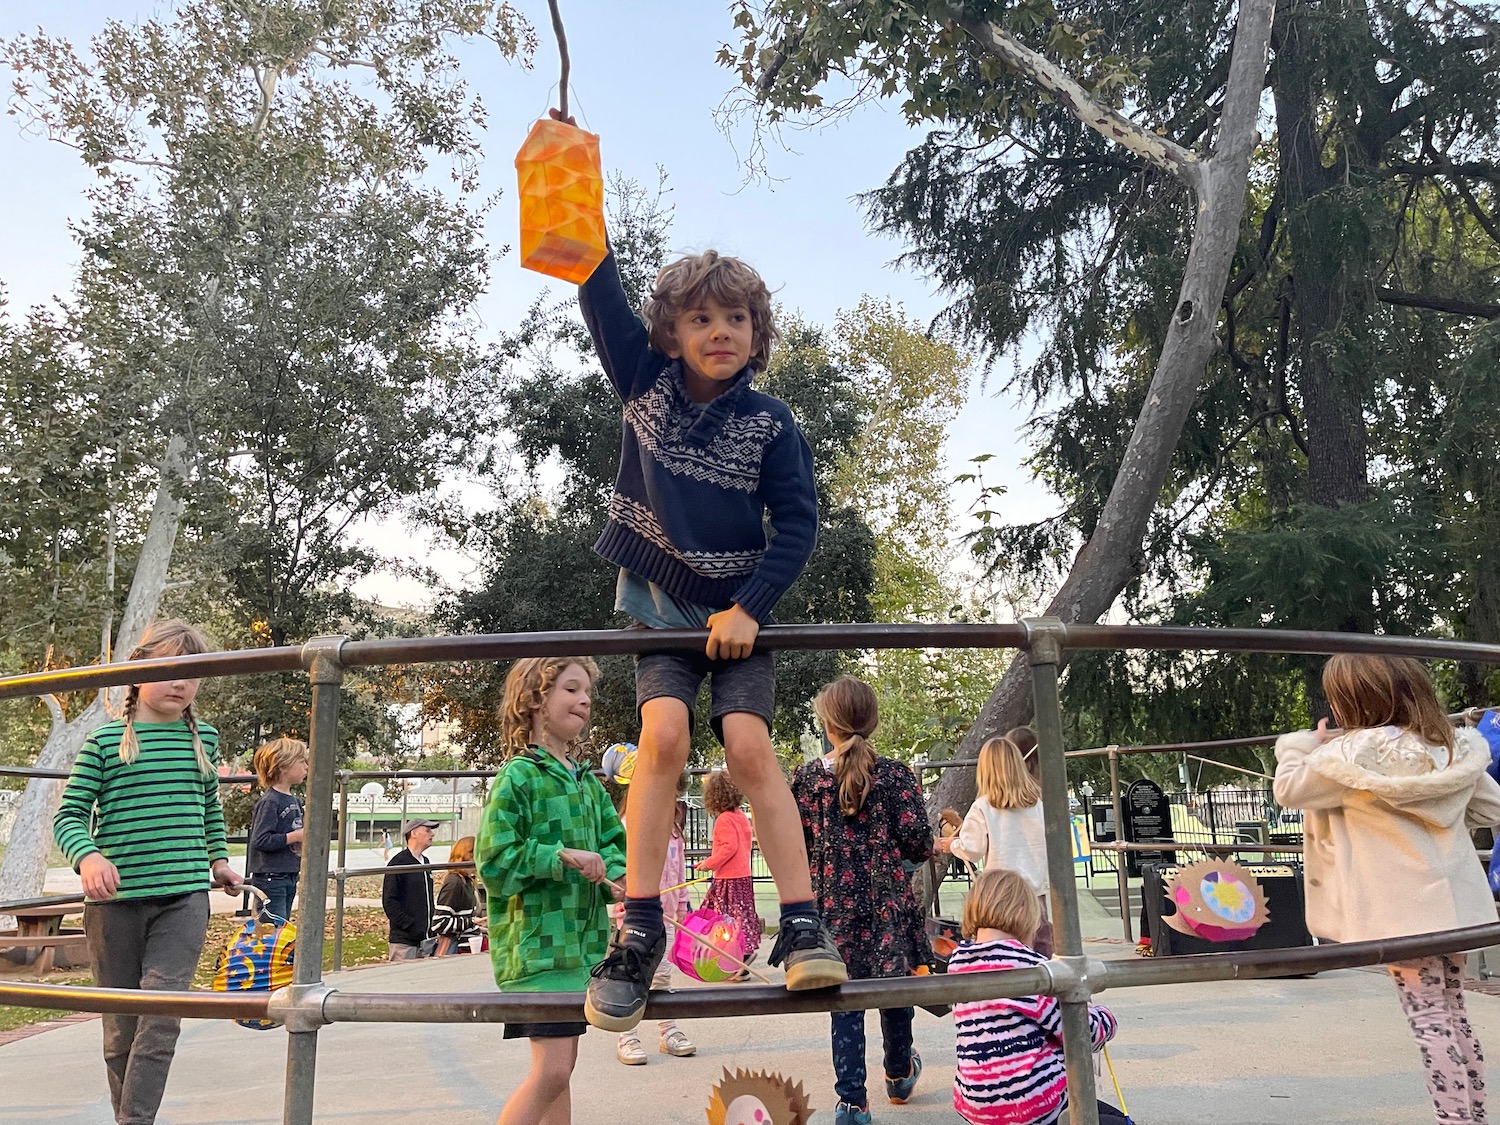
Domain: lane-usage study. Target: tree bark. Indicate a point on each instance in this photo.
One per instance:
(23, 872)
(1111, 557)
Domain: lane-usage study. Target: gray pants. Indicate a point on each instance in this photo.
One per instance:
(147, 944)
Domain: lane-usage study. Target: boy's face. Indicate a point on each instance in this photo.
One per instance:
(565, 709)
(296, 773)
(713, 341)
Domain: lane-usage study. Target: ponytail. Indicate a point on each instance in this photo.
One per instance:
(849, 707)
(854, 768)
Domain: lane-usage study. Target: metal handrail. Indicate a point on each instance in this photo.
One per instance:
(333, 1006)
(852, 637)
(308, 1004)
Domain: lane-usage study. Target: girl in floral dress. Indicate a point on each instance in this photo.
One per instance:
(732, 892)
(863, 817)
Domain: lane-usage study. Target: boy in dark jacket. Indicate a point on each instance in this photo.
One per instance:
(705, 458)
(273, 856)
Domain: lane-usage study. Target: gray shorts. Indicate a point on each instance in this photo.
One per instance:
(747, 685)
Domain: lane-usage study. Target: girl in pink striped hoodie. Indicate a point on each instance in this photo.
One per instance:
(1010, 1051)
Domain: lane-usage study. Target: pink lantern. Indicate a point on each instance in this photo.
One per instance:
(698, 960)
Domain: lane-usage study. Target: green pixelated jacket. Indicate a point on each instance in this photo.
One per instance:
(548, 924)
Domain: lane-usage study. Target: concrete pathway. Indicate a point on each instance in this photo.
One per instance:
(1332, 1050)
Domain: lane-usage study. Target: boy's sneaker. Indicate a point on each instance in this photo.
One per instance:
(846, 1114)
(674, 1042)
(618, 985)
(899, 1089)
(629, 1050)
(812, 960)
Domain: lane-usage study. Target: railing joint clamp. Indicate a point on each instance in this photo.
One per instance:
(299, 1007)
(322, 657)
(1077, 979)
(1046, 637)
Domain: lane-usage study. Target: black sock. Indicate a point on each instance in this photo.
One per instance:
(808, 909)
(643, 917)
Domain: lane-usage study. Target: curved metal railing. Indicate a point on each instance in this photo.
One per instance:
(308, 1004)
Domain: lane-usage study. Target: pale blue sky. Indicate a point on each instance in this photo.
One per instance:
(645, 79)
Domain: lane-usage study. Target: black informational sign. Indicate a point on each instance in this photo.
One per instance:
(1103, 823)
(1148, 820)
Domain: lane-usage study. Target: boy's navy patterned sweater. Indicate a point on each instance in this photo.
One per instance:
(689, 502)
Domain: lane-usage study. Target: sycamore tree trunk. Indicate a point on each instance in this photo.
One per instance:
(1111, 558)
(24, 868)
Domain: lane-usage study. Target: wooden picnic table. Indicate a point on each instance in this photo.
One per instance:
(40, 928)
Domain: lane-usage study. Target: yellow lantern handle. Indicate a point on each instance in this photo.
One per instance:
(562, 49)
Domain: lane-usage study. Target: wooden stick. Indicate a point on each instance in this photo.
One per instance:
(699, 938)
(689, 883)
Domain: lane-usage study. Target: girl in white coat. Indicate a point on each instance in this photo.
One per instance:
(1390, 801)
(1004, 826)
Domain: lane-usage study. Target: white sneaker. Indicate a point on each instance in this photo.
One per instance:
(674, 1042)
(629, 1050)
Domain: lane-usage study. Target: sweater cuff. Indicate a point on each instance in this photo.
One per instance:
(549, 860)
(758, 597)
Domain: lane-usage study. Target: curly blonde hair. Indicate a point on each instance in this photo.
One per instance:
(732, 283)
(526, 688)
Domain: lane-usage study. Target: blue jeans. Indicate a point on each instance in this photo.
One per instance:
(849, 1050)
(280, 888)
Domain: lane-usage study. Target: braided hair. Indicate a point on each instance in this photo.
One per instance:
(162, 639)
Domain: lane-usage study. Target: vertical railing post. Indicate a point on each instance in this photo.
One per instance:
(320, 656)
(1122, 859)
(339, 869)
(1045, 639)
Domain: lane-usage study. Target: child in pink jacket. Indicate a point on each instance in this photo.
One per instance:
(733, 890)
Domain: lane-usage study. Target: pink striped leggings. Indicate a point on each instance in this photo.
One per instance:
(1432, 996)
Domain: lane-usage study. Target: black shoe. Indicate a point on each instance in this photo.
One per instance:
(812, 960)
(619, 984)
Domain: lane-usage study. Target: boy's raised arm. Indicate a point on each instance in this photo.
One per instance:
(618, 334)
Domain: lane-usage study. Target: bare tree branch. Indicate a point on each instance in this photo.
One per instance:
(1167, 155)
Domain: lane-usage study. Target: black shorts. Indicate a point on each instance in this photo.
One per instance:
(747, 685)
(543, 1030)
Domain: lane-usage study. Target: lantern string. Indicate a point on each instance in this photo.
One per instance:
(562, 49)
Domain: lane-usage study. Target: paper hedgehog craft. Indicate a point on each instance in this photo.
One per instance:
(749, 1097)
(1216, 900)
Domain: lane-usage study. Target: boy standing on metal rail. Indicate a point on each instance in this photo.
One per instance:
(149, 784)
(704, 458)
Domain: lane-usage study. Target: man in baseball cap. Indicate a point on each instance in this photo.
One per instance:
(407, 896)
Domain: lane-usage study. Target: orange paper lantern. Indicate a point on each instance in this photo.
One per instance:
(562, 201)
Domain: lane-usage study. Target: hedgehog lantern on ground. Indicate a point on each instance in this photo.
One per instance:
(758, 1098)
(1216, 900)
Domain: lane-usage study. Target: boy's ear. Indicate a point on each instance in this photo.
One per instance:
(674, 349)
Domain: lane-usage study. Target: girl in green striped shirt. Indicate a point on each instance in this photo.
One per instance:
(140, 821)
